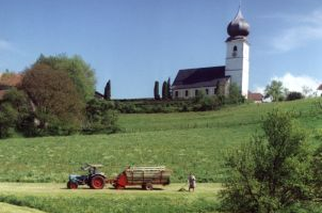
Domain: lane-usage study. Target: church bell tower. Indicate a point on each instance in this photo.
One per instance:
(237, 56)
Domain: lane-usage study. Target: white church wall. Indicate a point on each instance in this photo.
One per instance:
(237, 63)
(191, 92)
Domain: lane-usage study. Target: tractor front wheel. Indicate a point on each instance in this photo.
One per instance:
(72, 185)
(97, 182)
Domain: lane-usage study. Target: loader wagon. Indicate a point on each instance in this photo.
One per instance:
(145, 177)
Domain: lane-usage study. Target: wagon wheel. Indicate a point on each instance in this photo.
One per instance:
(97, 182)
(72, 185)
(148, 186)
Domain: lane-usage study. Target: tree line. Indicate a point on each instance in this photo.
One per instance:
(56, 97)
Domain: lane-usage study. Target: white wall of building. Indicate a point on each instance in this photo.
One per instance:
(191, 93)
(237, 63)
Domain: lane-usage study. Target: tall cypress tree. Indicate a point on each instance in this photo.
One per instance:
(156, 90)
(169, 88)
(107, 91)
(164, 90)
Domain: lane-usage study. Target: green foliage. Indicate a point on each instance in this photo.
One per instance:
(101, 117)
(19, 101)
(156, 90)
(165, 92)
(58, 107)
(270, 173)
(317, 171)
(107, 91)
(202, 102)
(82, 75)
(234, 96)
(294, 96)
(8, 118)
(275, 90)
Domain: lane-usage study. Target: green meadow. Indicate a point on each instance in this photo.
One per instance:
(184, 142)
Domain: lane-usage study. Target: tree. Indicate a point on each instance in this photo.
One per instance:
(101, 117)
(107, 91)
(82, 75)
(294, 96)
(169, 88)
(307, 91)
(57, 102)
(235, 95)
(8, 118)
(271, 172)
(156, 91)
(19, 102)
(164, 90)
(317, 172)
(274, 90)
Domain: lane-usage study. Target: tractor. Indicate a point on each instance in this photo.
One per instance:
(94, 178)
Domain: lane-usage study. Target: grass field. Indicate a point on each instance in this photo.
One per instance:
(184, 142)
(57, 199)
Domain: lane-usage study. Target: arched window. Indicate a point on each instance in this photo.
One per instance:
(235, 51)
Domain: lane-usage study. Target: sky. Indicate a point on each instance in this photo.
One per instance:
(136, 42)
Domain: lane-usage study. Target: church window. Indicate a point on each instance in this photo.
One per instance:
(207, 91)
(177, 94)
(187, 93)
(235, 51)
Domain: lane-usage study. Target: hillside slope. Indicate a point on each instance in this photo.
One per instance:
(184, 142)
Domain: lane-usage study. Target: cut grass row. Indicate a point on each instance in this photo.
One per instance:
(56, 199)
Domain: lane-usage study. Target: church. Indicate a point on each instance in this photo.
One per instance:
(189, 82)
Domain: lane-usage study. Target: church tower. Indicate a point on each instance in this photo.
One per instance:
(237, 57)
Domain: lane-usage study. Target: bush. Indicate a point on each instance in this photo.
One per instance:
(8, 119)
(271, 172)
(101, 117)
(294, 96)
(317, 171)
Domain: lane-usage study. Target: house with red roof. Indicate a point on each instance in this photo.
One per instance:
(9, 81)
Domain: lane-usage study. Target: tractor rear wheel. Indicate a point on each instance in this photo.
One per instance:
(72, 185)
(97, 182)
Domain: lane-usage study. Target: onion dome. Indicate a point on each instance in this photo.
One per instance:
(238, 28)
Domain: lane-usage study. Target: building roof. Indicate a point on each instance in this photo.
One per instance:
(320, 87)
(10, 80)
(255, 96)
(199, 77)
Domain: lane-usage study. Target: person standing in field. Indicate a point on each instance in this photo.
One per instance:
(192, 182)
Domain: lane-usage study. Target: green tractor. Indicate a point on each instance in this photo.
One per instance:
(94, 178)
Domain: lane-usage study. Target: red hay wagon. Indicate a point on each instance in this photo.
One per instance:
(145, 177)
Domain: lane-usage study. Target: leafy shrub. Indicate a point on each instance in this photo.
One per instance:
(101, 117)
(270, 173)
(294, 96)
(8, 118)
